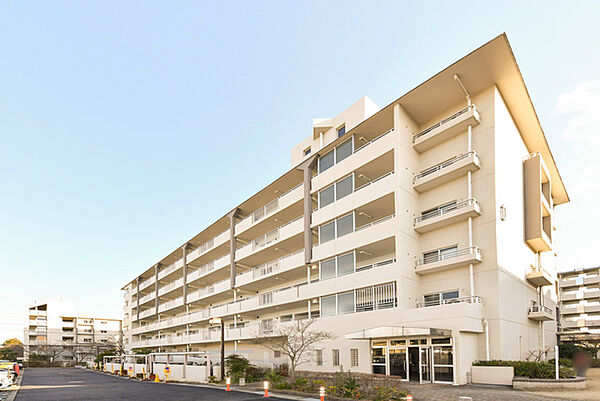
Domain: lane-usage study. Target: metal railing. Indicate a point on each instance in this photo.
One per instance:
(374, 223)
(444, 210)
(442, 122)
(268, 267)
(373, 181)
(447, 255)
(373, 140)
(269, 208)
(540, 308)
(469, 300)
(374, 265)
(443, 165)
(268, 238)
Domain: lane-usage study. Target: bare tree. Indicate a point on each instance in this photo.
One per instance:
(295, 341)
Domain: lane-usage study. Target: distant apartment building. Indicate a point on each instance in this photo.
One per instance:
(421, 234)
(55, 330)
(579, 305)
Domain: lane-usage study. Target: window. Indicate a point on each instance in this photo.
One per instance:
(327, 232)
(440, 298)
(307, 151)
(335, 356)
(285, 318)
(326, 161)
(276, 354)
(346, 302)
(343, 151)
(440, 254)
(326, 196)
(336, 155)
(345, 225)
(327, 269)
(353, 357)
(328, 306)
(319, 357)
(341, 131)
(338, 266)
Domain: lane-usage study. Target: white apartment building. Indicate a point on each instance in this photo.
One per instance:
(421, 234)
(54, 329)
(579, 319)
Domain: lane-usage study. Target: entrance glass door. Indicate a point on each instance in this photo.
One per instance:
(398, 362)
(425, 358)
(413, 364)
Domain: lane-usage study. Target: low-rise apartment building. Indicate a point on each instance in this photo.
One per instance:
(55, 330)
(579, 295)
(420, 234)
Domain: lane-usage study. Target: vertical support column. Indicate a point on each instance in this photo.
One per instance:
(232, 244)
(138, 297)
(156, 268)
(307, 168)
(470, 220)
(184, 250)
(309, 309)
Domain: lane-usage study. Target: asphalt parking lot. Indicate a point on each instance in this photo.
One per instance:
(46, 384)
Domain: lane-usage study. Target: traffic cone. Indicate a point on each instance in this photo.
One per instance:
(228, 381)
(409, 397)
(266, 386)
(156, 380)
(322, 393)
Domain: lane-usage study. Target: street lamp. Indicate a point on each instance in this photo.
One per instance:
(219, 321)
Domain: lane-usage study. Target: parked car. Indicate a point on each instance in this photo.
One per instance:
(5, 378)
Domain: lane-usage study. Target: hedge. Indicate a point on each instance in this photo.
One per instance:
(532, 370)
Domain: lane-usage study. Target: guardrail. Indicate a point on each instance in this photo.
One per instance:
(443, 165)
(442, 122)
(444, 210)
(469, 300)
(540, 308)
(449, 255)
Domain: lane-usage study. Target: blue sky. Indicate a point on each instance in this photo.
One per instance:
(117, 116)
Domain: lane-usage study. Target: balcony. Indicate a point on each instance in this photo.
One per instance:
(147, 312)
(208, 268)
(35, 312)
(447, 128)
(271, 238)
(170, 287)
(147, 282)
(205, 247)
(147, 298)
(37, 322)
(447, 215)
(471, 300)
(540, 313)
(279, 265)
(446, 171)
(215, 288)
(174, 303)
(170, 269)
(579, 281)
(538, 277)
(571, 296)
(285, 200)
(446, 261)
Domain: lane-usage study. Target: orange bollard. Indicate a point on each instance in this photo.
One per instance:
(266, 386)
(322, 393)
(409, 397)
(228, 381)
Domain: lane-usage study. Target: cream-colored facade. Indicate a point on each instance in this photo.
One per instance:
(54, 329)
(579, 305)
(420, 234)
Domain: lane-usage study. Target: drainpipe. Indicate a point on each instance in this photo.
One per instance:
(321, 140)
(470, 220)
(487, 339)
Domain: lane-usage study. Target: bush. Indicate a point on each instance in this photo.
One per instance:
(236, 366)
(532, 370)
(212, 379)
(345, 386)
(562, 362)
(384, 393)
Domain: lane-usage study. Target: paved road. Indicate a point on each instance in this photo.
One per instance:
(47, 384)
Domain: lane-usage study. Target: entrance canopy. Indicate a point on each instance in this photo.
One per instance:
(398, 331)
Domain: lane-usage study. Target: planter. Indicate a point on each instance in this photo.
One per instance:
(524, 383)
(492, 375)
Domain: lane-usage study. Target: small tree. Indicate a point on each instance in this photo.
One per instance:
(295, 341)
(236, 366)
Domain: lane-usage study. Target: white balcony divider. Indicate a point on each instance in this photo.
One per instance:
(444, 210)
(444, 121)
(443, 165)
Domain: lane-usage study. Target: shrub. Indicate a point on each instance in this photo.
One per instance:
(236, 366)
(384, 393)
(275, 376)
(532, 370)
(562, 362)
(345, 386)
(213, 379)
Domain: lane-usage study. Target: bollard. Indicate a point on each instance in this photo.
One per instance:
(143, 373)
(266, 386)
(409, 397)
(322, 393)
(156, 379)
(228, 381)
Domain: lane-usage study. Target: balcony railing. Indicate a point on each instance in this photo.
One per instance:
(269, 208)
(444, 210)
(374, 223)
(448, 255)
(540, 308)
(373, 181)
(443, 165)
(268, 267)
(146, 282)
(469, 300)
(373, 140)
(444, 121)
(268, 238)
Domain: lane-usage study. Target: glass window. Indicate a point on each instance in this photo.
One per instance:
(285, 318)
(398, 342)
(335, 356)
(319, 357)
(328, 306)
(346, 302)
(448, 252)
(450, 294)
(379, 355)
(353, 356)
(327, 232)
(328, 269)
(326, 196)
(326, 161)
(430, 257)
(343, 151)
(444, 373)
(442, 355)
(306, 151)
(344, 187)
(345, 264)
(341, 131)
(345, 225)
